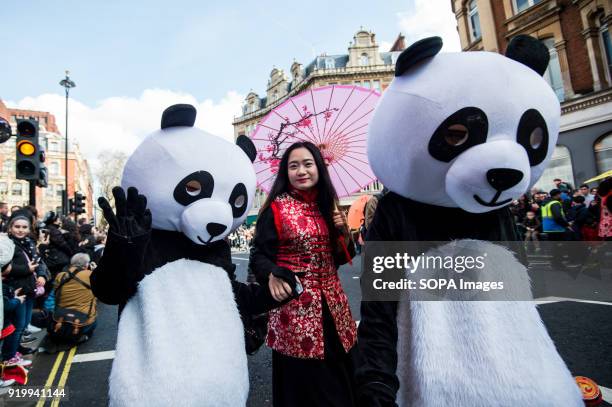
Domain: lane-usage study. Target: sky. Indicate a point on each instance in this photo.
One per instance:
(132, 59)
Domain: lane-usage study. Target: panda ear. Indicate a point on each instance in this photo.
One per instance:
(247, 146)
(178, 115)
(529, 51)
(420, 50)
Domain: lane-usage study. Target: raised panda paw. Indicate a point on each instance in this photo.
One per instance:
(132, 218)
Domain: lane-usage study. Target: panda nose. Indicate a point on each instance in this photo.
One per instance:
(503, 178)
(215, 229)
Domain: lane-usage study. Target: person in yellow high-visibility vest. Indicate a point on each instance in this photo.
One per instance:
(556, 227)
(554, 223)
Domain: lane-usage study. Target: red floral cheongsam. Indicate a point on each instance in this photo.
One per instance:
(296, 328)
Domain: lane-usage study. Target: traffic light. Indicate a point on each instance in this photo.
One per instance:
(5, 130)
(79, 203)
(27, 153)
(43, 173)
(43, 178)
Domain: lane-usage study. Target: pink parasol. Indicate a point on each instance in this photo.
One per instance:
(334, 118)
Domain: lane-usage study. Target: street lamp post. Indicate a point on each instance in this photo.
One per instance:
(67, 83)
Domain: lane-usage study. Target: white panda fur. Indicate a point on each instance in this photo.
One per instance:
(181, 339)
(418, 101)
(461, 353)
(168, 155)
(478, 352)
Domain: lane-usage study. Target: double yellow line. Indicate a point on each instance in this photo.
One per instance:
(63, 377)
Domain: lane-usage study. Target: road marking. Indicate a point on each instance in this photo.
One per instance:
(64, 377)
(51, 378)
(94, 356)
(547, 300)
(355, 277)
(239, 258)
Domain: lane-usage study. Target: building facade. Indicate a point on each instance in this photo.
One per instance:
(363, 65)
(16, 192)
(577, 35)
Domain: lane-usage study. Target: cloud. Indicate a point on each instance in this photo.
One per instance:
(429, 18)
(385, 46)
(120, 123)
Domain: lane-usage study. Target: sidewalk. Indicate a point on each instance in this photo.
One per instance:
(34, 345)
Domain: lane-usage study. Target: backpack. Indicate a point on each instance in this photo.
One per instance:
(67, 324)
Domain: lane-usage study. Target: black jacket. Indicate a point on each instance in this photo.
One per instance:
(265, 249)
(126, 262)
(402, 219)
(58, 252)
(20, 275)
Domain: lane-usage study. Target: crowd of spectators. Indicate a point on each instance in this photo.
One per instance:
(561, 214)
(240, 240)
(51, 255)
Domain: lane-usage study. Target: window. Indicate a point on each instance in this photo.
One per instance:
(3, 188)
(376, 85)
(474, 21)
(560, 167)
(8, 167)
(364, 60)
(54, 168)
(358, 83)
(330, 63)
(59, 190)
(366, 84)
(553, 72)
(607, 48)
(17, 189)
(520, 5)
(53, 146)
(603, 153)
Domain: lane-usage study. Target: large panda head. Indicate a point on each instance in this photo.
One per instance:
(195, 183)
(472, 130)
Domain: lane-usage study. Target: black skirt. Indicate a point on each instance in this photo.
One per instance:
(300, 382)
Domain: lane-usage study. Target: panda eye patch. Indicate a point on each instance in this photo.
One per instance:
(463, 129)
(532, 134)
(197, 185)
(238, 200)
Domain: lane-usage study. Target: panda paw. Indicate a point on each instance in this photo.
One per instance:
(131, 218)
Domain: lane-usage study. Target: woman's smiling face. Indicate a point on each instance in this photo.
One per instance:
(303, 173)
(20, 228)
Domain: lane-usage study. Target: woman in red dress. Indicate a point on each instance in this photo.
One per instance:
(300, 240)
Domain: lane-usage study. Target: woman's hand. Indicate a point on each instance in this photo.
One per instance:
(7, 271)
(340, 221)
(279, 288)
(40, 282)
(43, 239)
(32, 265)
(18, 295)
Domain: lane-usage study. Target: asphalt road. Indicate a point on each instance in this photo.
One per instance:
(581, 331)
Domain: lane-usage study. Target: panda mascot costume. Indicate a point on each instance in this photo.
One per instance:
(455, 138)
(167, 265)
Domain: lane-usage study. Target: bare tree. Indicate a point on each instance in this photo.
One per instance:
(108, 174)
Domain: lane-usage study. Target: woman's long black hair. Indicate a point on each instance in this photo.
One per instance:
(327, 198)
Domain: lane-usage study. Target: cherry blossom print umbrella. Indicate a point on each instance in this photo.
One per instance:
(334, 118)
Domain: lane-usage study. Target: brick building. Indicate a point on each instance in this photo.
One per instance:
(16, 192)
(577, 35)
